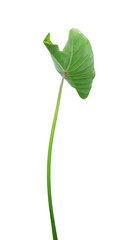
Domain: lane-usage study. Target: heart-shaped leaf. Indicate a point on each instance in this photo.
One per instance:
(76, 61)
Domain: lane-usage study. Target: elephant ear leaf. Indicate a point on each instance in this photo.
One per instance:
(76, 61)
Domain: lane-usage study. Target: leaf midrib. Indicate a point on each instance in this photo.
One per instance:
(70, 58)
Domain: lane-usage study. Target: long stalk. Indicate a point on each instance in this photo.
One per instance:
(49, 162)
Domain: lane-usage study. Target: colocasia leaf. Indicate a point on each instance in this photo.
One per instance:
(76, 60)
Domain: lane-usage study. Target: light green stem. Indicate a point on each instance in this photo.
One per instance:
(49, 162)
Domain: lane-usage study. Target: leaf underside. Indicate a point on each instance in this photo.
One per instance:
(76, 60)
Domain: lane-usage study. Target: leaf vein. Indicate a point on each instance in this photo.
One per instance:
(80, 64)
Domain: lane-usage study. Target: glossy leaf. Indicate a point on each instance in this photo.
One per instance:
(76, 60)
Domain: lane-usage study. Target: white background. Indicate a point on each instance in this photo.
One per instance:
(92, 161)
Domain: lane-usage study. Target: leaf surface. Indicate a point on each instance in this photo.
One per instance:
(76, 60)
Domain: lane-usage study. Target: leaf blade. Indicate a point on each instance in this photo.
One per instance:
(76, 60)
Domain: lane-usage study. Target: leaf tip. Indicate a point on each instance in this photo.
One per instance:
(47, 39)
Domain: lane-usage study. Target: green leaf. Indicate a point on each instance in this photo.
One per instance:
(76, 61)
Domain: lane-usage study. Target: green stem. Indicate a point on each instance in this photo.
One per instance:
(49, 162)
